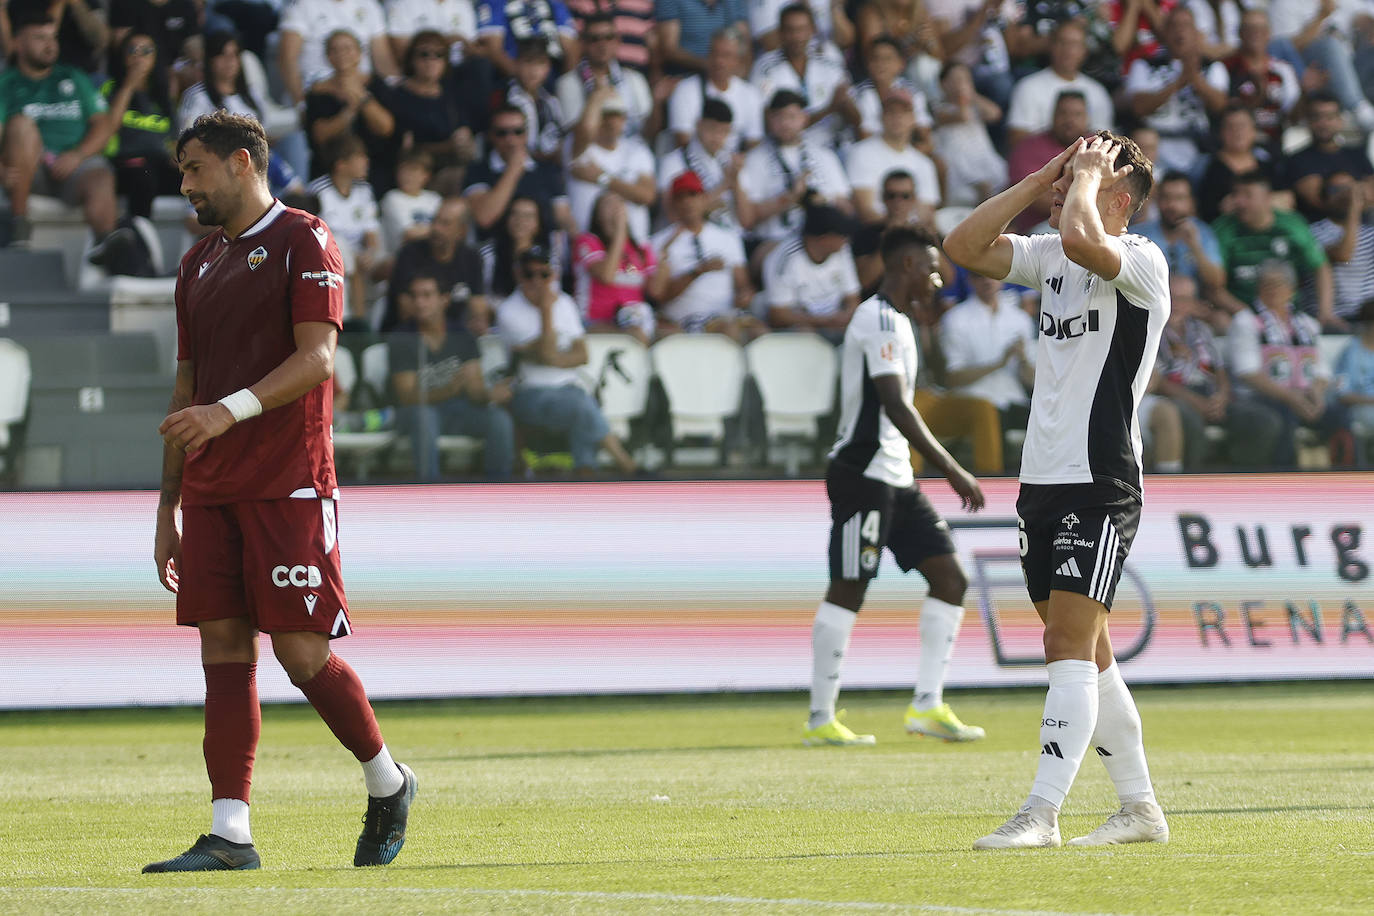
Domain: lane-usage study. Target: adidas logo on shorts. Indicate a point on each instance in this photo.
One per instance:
(1069, 569)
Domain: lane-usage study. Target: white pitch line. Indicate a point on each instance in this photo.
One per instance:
(648, 896)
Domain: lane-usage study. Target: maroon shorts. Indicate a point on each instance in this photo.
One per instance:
(274, 561)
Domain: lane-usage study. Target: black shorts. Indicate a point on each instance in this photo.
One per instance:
(1075, 537)
(867, 515)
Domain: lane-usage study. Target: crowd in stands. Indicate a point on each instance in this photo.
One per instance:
(540, 169)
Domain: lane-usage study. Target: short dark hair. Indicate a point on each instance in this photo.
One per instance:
(898, 175)
(1254, 176)
(506, 109)
(600, 17)
(1070, 94)
(223, 134)
(344, 147)
(425, 274)
(794, 9)
(786, 98)
(1322, 97)
(897, 239)
(886, 39)
(1141, 179)
(531, 47)
(29, 16)
(1174, 175)
(714, 109)
(418, 157)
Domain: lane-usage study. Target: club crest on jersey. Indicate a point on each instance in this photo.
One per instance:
(256, 257)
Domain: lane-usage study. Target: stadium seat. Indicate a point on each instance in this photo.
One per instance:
(495, 359)
(617, 374)
(15, 375)
(88, 359)
(29, 271)
(796, 377)
(359, 449)
(52, 311)
(703, 377)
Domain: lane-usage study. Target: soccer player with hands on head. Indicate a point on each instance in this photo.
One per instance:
(249, 462)
(1104, 303)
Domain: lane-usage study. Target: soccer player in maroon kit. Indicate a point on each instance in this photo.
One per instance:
(249, 459)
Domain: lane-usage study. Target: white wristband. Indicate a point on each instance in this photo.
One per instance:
(242, 404)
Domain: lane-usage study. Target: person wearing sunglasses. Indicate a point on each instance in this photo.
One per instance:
(431, 109)
(141, 106)
(599, 66)
(539, 324)
(509, 171)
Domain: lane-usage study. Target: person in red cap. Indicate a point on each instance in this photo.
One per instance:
(702, 282)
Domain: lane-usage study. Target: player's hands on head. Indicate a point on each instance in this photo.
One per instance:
(1049, 173)
(1097, 158)
(191, 428)
(966, 485)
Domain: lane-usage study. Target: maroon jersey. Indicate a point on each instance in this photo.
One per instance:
(237, 303)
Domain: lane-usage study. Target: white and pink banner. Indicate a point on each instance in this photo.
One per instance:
(475, 590)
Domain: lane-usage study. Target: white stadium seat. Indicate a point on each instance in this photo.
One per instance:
(360, 448)
(796, 378)
(703, 377)
(617, 374)
(16, 374)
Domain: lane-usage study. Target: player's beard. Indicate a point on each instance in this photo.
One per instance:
(210, 212)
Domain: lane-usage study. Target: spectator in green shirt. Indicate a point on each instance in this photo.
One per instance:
(1255, 232)
(53, 125)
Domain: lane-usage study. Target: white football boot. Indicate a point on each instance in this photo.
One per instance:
(1136, 822)
(1027, 829)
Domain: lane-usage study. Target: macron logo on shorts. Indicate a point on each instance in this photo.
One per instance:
(310, 604)
(1069, 569)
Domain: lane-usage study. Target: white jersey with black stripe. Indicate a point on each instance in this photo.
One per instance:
(1094, 356)
(878, 341)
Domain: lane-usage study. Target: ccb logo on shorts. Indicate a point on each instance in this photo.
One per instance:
(299, 576)
(868, 558)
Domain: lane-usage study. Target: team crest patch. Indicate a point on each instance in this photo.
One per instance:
(256, 257)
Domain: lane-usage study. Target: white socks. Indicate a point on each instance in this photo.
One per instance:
(1065, 728)
(229, 819)
(382, 775)
(939, 628)
(1118, 740)
(829, 642)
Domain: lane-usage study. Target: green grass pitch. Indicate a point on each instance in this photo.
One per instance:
(702, 804)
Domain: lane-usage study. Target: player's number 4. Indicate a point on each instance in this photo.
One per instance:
(871, 527)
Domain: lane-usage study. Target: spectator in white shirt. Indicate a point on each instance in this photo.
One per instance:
(702, 280)
(308, 23)
(350, 209)
(408, 208)
(721, 81)
(598, 67)
(811, 283)
(973, 170)
(1032, 101)
(456, 20)
(708, 155)
(603, 158)
(777, 175)
(1176, 91)
(885, 63)
(822, 83)
(989, 350)
(834, 29)
(539, 324)
(874, 159)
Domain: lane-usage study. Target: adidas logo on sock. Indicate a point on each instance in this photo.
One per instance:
(1103, 752)
(1069, 568)
(1052, 748)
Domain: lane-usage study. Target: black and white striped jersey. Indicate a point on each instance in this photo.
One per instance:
(1094, 356)
(879, 341)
